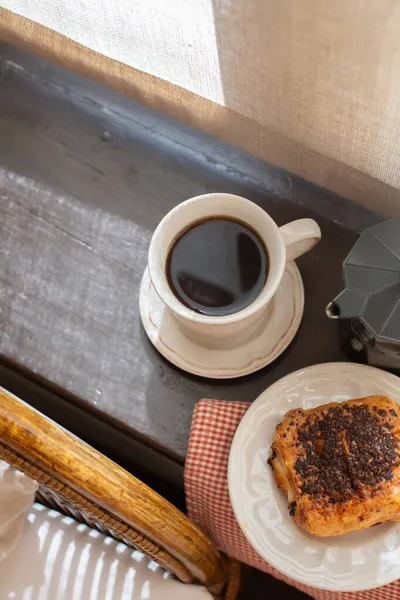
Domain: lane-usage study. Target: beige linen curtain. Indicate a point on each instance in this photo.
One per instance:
(312, 86)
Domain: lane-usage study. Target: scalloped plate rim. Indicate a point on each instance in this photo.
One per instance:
(235, 450)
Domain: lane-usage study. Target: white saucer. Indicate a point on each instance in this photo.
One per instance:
(352, 562)
(285, 313)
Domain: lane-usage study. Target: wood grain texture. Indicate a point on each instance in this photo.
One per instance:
(79, 481)
(158, 471)
(77, 210)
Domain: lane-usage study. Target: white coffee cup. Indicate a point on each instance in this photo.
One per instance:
(282, 243)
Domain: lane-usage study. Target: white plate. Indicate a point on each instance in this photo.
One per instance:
(351, 562)
(283, 320)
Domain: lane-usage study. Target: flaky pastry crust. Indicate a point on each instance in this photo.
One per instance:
(339, 464)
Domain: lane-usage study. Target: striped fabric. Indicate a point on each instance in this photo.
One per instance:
(52, 557)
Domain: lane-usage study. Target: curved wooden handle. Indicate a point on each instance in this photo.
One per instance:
(57, 453)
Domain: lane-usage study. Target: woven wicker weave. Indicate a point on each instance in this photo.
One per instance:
(82, 483)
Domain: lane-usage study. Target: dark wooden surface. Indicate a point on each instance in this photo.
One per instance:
(85, 176)
(260, 586)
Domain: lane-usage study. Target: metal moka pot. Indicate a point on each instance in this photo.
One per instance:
(369, 305)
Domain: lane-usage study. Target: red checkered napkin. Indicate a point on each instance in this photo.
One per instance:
(206, 483)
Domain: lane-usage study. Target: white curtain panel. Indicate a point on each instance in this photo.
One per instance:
(171, 39)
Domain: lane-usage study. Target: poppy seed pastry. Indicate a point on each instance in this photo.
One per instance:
(339, 464)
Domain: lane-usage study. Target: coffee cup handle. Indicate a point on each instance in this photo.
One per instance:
(299, 237)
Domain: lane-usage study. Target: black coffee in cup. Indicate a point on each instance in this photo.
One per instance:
(217, 267)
